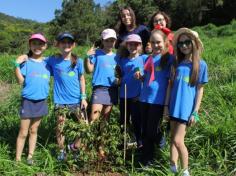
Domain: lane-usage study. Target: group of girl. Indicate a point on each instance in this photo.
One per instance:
(153, 85)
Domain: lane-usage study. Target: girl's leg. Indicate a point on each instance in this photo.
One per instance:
(106, 111)
(96, 111)
(178, 141)
(59, 131)
(24, 128)
(173, 150)
(33, 136)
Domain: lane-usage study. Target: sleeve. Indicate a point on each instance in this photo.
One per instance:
(49, 68)
(80, 67)
(23, 68)
(93, 59)
(203, 73)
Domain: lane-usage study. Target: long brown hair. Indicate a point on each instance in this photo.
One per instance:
(165, 53)
(120, 27)
(195, 56)
(166, 17)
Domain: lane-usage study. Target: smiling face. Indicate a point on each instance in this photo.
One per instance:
(126, 17)
(159, 19)
(109, 43)
(66, 45)
(133, 47)
(37, 47)
(185, 44)
(157, 43)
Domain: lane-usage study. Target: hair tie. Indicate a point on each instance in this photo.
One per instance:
(165, 30)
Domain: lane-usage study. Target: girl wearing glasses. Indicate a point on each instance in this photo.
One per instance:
(189, 76)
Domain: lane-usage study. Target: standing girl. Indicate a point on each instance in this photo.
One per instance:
(190, 74)
(102, 63)
(131, 65)
(153, 93)
(69, 84)
(35, 77)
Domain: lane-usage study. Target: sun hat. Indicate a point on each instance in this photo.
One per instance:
(108, 33)
(133, 38)
(63, 35)
(38, 36)
(190, 32)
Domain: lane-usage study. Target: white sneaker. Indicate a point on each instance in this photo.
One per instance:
(186, 173)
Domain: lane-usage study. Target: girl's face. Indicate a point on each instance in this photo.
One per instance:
(108, 43)
(159, 19)
(133, 47)
(66, 45)
(126, 17)
(185, 44)
(37, 46)
(157, 43)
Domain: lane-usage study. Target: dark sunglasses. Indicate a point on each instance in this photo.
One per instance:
(182, 43)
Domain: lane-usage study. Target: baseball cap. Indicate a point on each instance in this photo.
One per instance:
(38, 36)
(63, 35)
(108, 33)
(133, 38)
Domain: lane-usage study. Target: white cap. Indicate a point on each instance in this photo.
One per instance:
(108, 33)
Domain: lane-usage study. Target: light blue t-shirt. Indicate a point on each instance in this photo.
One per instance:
(66, 80)
(155, 92)
(182, 99)
(133, 86)
(104, 68)
(37, 77)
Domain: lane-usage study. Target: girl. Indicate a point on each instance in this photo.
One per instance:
(160, 20)
(190, 74)
(127, 25)
(129, 66)
(69, 84)
(35, 77)
(152, 98)
(102, 63)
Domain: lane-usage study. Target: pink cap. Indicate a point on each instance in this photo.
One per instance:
(133, 38)
(108, 33)
(38, 36)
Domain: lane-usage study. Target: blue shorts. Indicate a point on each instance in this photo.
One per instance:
(33, 108)
(105, 95)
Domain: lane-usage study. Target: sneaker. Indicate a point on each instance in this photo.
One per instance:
(186, 173)
(30, 161)
(173, 168)
(71, 147)
(61, 156)
(131, 145)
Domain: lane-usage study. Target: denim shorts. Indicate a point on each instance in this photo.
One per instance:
(105, 95)
(33, 108)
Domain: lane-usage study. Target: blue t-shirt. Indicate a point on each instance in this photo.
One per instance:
(66, 80)
(155, 92)
(182, 99)
(37, 77)
(104, 68)
(128, 67)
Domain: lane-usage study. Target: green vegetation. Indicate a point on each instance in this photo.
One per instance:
(211, 143)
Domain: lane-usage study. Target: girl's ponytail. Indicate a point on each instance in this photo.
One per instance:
(73, 60)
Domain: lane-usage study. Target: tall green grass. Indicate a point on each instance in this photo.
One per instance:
(211, 143)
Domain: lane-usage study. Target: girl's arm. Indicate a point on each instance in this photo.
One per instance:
(167, 100)
(90, 66)
(19, 76)
(198, 101)
(84, 103)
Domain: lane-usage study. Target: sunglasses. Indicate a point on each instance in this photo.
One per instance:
(182, 43)
(159, 20)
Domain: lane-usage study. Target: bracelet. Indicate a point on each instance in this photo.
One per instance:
(166, 105)
(196, 116)
(83, 96)
(136, 69)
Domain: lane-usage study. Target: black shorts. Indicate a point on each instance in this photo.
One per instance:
(179, 120)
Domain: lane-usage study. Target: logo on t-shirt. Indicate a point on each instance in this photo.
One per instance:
(35, 74)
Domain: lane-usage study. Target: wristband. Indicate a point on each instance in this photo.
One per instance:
(196, 116)
(166, 105)
(83, 96)
(136, 69)
(17, 65)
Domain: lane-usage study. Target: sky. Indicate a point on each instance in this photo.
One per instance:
(38, 10)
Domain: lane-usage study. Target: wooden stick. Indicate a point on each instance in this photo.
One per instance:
(125, 142)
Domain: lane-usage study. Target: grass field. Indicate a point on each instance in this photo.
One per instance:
(211, 143)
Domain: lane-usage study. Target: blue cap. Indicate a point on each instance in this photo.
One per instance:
(65, 35)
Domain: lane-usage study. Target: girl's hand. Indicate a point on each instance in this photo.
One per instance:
(166, 113)
(192, 121)
(91, 51)
(22, 59)
(84, 104)
(137, 75)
